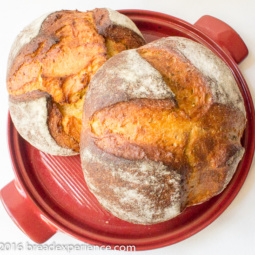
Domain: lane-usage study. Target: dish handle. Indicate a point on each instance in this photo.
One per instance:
(224, 35)
(25, 214)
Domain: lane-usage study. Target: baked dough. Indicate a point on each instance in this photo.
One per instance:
(50, 66)
(167, 135)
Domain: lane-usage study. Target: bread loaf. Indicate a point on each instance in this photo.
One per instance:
(50, 66)
(161, 130)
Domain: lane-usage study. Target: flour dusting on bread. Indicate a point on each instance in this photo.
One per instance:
(143, 183)
(140, 79)
(30, 119)
(135, 77)
(122, 20)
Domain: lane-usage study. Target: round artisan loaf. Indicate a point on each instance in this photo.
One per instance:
(50, 66)
(167, 135)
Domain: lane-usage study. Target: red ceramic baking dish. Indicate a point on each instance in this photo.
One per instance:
(49, 193)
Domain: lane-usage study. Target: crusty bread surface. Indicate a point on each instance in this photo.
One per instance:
(58, 54)
(167, 135)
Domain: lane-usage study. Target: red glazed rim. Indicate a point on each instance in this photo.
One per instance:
(217, 206)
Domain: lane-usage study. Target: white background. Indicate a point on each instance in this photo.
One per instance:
(234, 231)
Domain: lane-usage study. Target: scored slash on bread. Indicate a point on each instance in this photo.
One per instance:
(50, 66)
(167, 136)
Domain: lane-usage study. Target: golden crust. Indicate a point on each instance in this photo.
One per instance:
(209, 150)
(157, 131)
(61, 60)
(57, 131)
